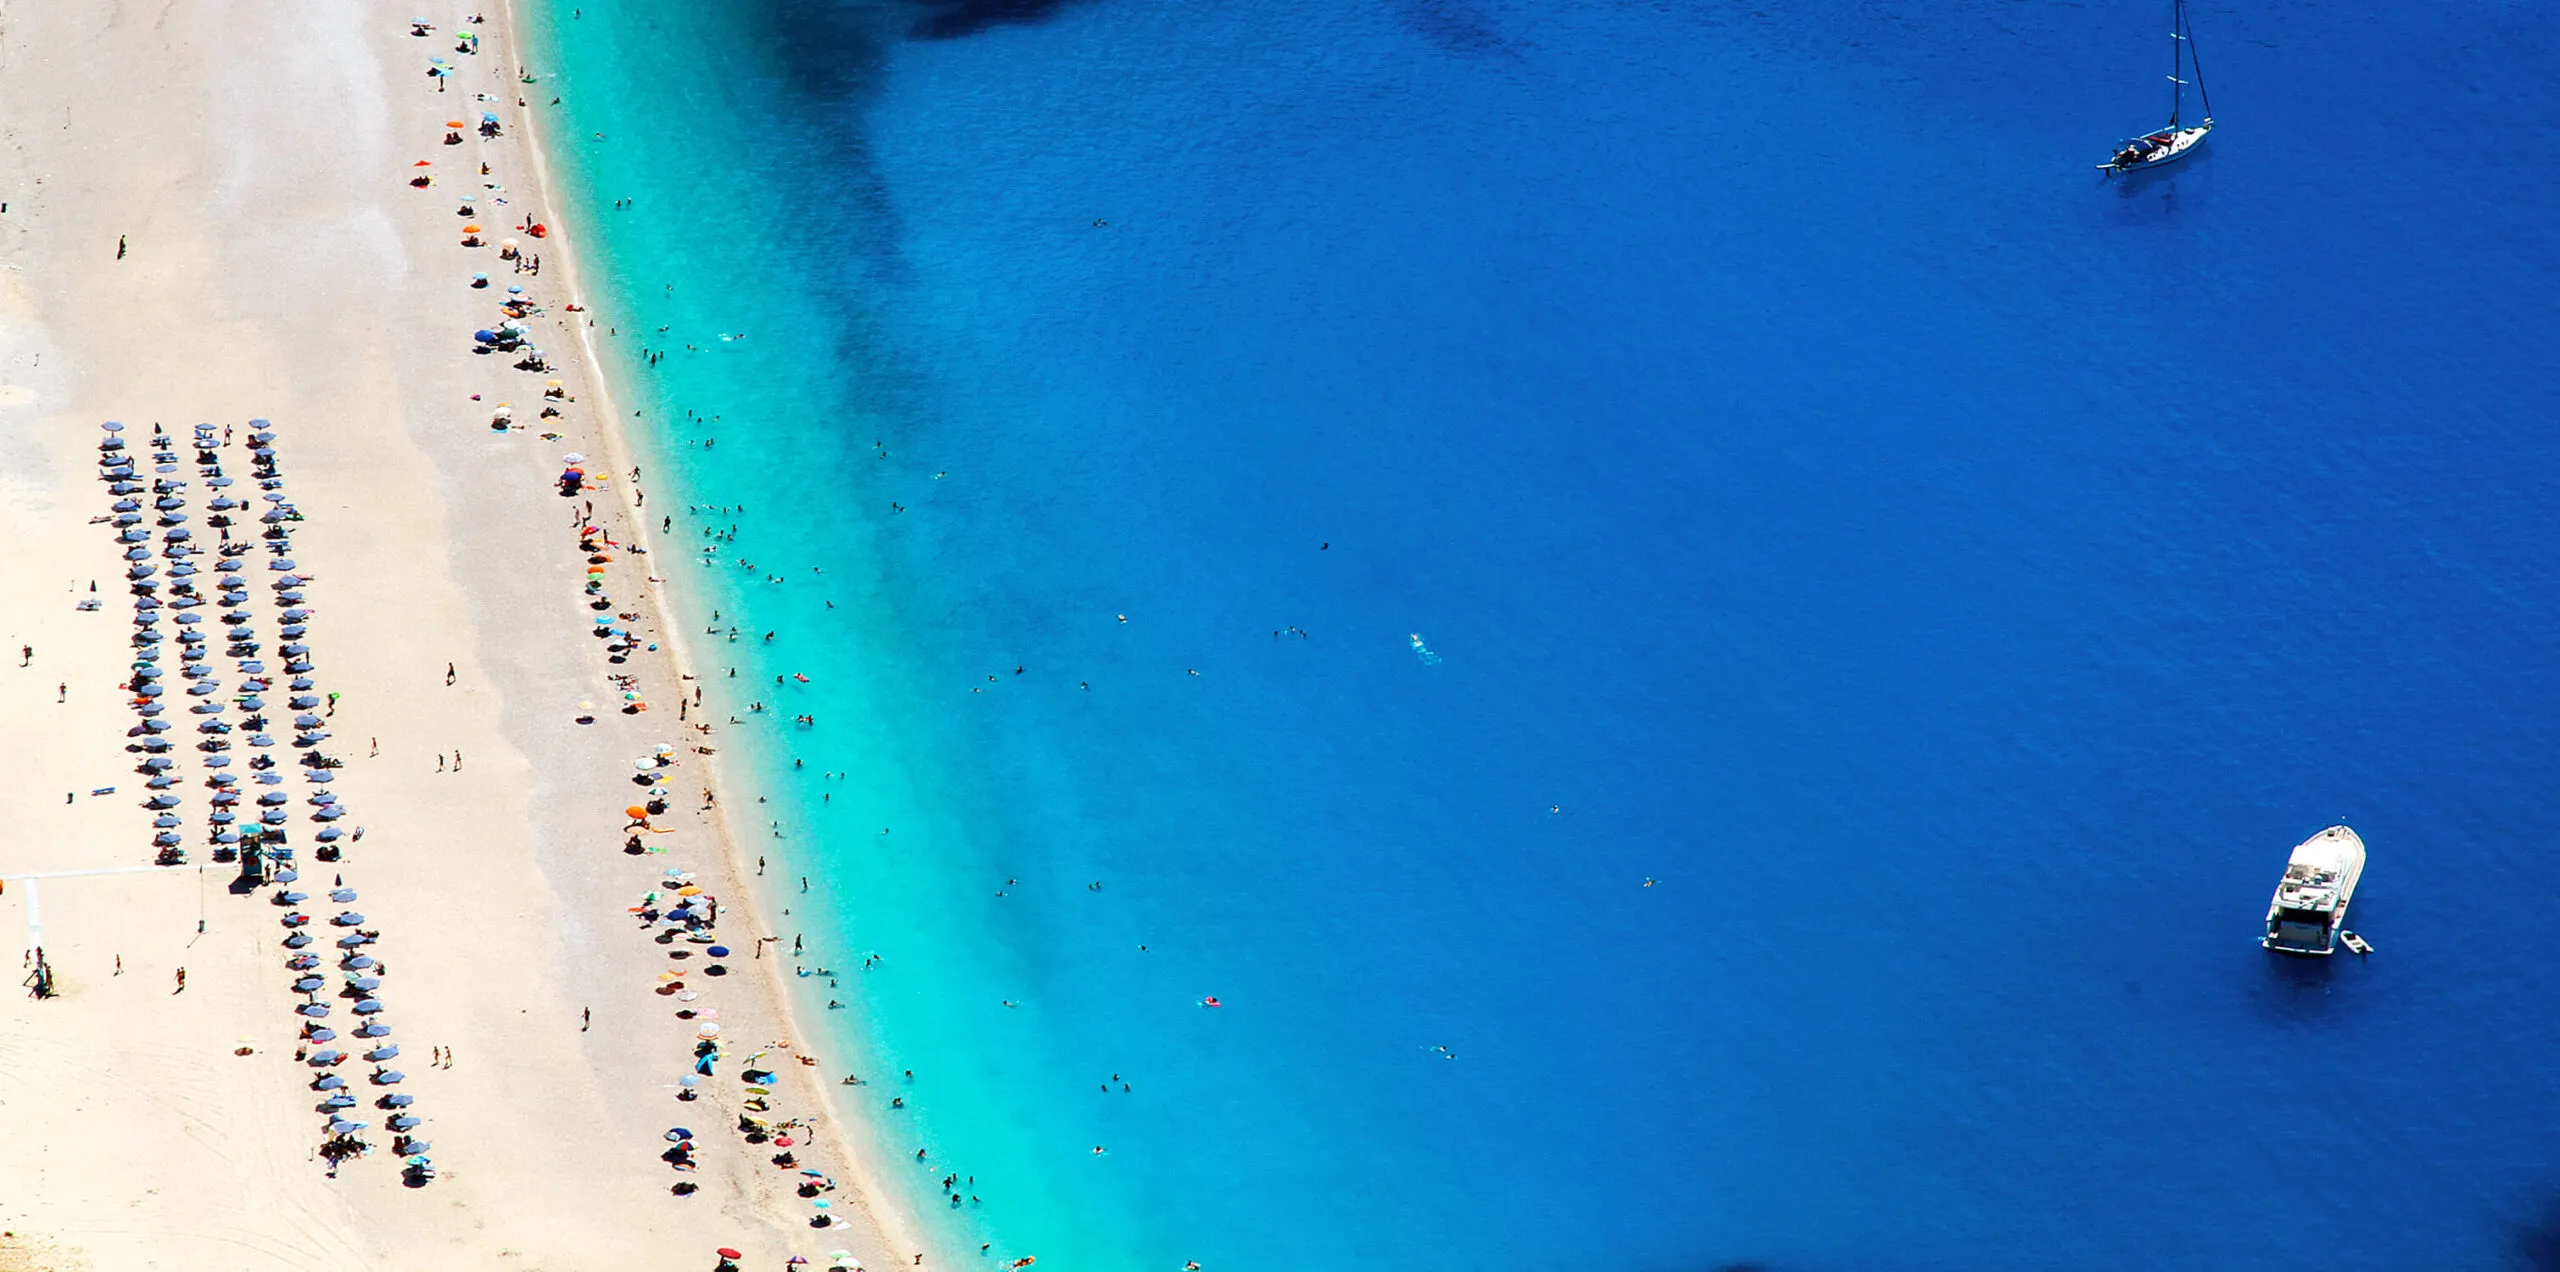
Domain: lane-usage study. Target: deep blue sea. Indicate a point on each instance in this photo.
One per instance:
(1762, 635)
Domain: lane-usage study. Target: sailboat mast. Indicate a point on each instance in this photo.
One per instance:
(2177, 59)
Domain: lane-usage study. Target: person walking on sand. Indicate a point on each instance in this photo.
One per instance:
(182, 982)
(448, 674)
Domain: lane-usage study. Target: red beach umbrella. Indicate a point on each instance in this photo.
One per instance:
(727, 1253)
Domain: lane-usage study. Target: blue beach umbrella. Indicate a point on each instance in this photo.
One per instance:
(313, 1010)
(376, 1029)
(368, 1006)
(384, 1052)
(352, 940)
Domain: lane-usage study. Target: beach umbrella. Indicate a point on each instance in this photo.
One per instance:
(329, 1083)
(384, 1052)
(274, 817)
(356, 961)
(308, 985)
(352, 940)
(402, 1123)
(341, 1126)
(398, 1101)
(328, 814)
(341, 1100)
(329, 835)
(164, 821)
(280, 563)
(290, 898)
(343, 895)
(347, 918)
(313, 1010)
(368, 1006)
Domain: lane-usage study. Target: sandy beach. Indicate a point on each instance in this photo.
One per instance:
(210, 218)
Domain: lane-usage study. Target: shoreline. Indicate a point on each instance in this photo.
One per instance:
(279, 269)
(898, 1228)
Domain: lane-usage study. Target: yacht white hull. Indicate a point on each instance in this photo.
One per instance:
(2310, 906)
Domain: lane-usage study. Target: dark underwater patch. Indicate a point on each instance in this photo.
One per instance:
(953, 19)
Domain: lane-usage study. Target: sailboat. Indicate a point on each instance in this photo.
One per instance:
(2170, 144)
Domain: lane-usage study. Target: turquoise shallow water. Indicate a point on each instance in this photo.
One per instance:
(1953, 581)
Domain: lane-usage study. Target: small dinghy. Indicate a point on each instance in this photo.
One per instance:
(2174, 142)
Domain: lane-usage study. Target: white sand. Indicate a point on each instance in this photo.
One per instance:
(255, 157)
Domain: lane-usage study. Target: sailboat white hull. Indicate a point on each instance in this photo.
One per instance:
(2175, 144)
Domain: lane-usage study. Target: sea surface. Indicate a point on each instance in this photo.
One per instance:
(1709, 644)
